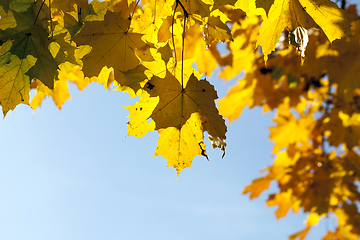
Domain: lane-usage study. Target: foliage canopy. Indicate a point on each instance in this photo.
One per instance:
(298, 57)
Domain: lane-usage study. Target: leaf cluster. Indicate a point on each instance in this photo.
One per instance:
(299, 58)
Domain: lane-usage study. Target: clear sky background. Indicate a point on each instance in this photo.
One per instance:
(72, 174)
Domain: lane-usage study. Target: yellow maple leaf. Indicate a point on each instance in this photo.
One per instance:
(352, 128)
(68, 5)
(197, 7)
(161, 8)
(290, 130)
(342, 61)
(305, 13)
(181, 115)
(59, 95)
(341, 128)
(139, 113)
(242, 49)
(195, 48)
(147, 24)
(300, 235)
(132, 80)
(285, 201)
(237, 98)
(113, 44)
(329, 17)
(258, 186)
(216, 30)
(180, 146)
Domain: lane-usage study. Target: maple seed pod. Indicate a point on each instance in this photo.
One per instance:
(299, 38)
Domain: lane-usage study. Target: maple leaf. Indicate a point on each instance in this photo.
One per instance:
(14, 84)
(285, 201)
(305, 13)
(148, 49)
(32, 39)
(258, 186)
(139, 113)
(283, 133)
(197, 7)
(69, 5)
(242, 50)
(216, 30)
(300, 235)
(181, 115)
(162, 8)
(342, 128)
(329, 17)
(7, 19)
(147, 24)
(218, 3)
(113, 44)
(237, 98)
(18, 5)
(132, 80)
(59, 95)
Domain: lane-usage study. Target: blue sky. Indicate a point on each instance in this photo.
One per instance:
(72, 174)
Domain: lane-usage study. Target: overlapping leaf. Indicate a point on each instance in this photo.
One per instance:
(148, 49)
(113, 44)
(14, 83)
(180, 115)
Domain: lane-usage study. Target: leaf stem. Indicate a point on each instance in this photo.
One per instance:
(343, 4)
(186, 15)
(51, 23)
(133, 12)
(172, 34)
(182, 54)
(38, 13)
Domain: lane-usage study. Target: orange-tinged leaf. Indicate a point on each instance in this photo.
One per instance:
(352, 129)
(300, 235)
(258, 186)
